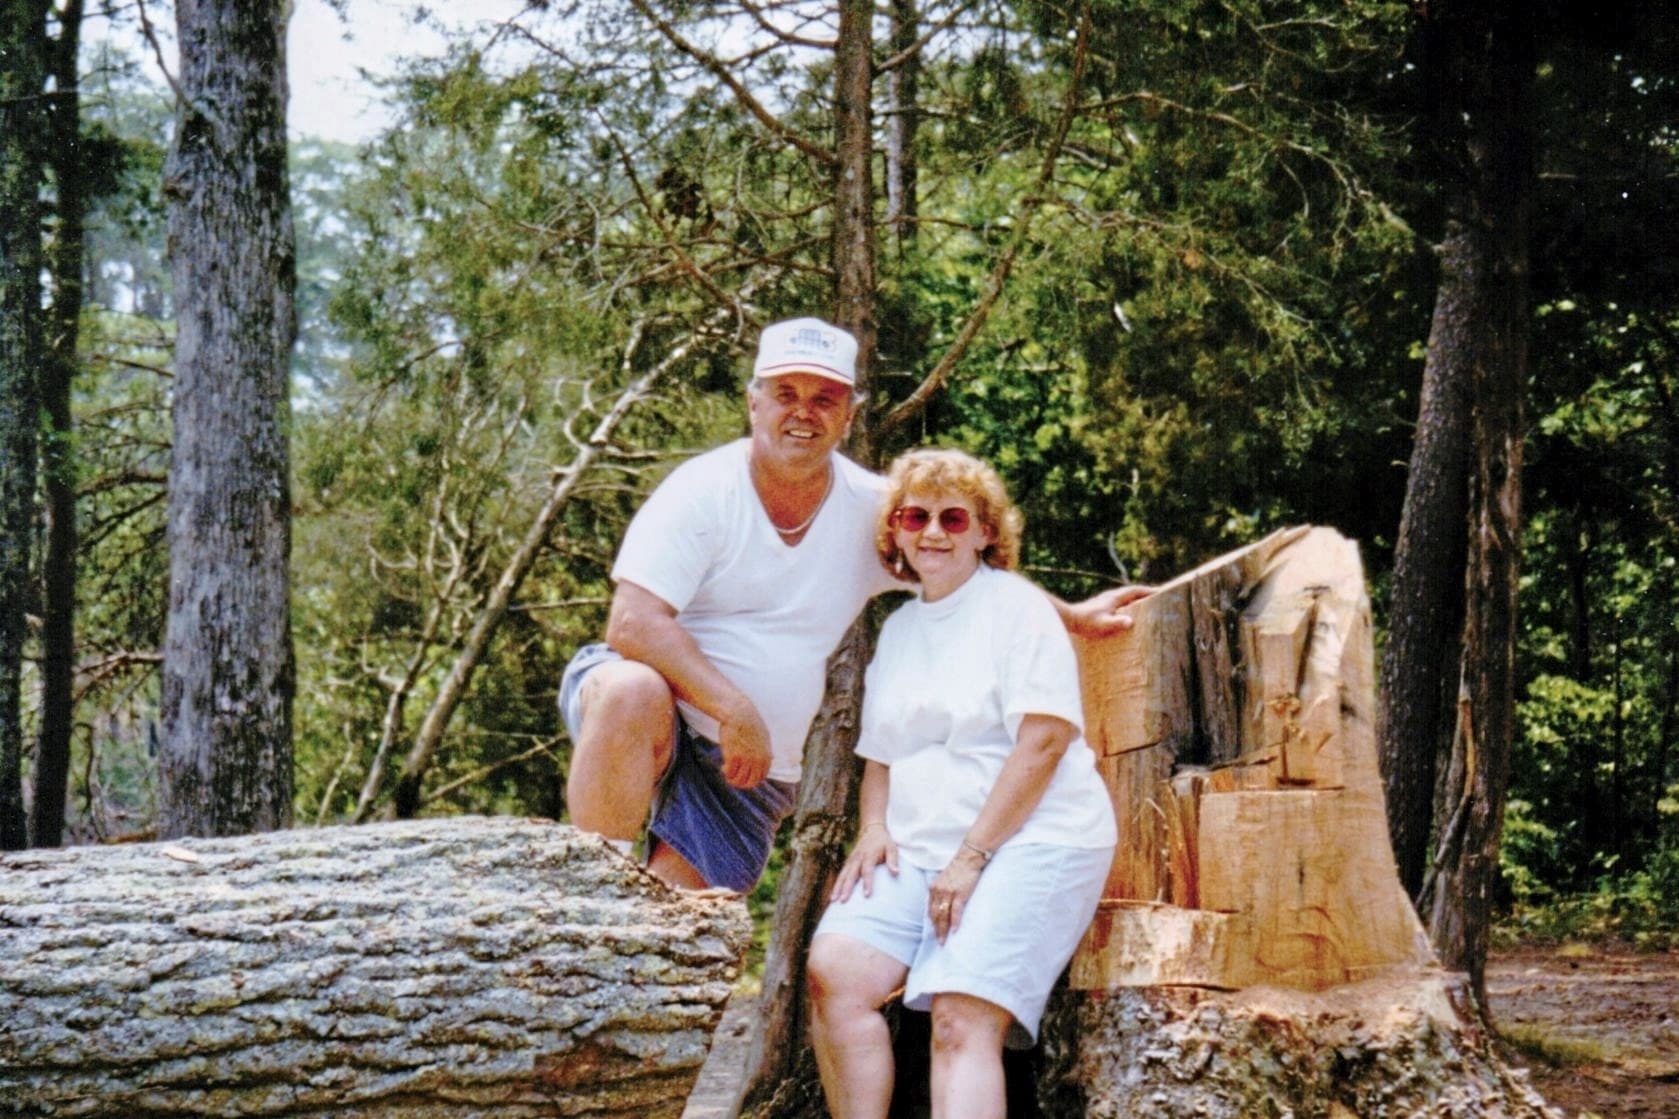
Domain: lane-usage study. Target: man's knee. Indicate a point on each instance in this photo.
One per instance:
(626, 700)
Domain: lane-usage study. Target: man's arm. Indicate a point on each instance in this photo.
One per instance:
(1100, 614)
(642, 627)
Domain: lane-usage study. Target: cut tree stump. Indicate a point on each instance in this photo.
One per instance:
(437, 968)
(1254, 953)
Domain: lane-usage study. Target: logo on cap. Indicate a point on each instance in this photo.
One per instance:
(807, 346)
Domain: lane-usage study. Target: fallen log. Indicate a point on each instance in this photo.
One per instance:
(437, 968)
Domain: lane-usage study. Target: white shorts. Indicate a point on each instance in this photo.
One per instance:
(1021, 926)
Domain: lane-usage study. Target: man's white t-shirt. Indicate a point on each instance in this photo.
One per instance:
(765, 614)
(944, 697)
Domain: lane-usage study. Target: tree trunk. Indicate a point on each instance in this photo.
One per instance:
(23, 37)
(462, 967)
(1255, 952)
(903, 83)
(1418, 693)
(1491, 49)
(780, 1079)
(58, 459)
(225, 765)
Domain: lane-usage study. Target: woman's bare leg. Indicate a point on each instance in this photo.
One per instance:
(848, 984)
(968, 1058)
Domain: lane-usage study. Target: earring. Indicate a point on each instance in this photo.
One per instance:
(898, 566)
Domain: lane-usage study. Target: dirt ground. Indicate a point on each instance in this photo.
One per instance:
(1609, 1019)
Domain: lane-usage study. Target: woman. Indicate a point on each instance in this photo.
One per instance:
(984, 832)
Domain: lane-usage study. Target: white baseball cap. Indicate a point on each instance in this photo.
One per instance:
(807, 346)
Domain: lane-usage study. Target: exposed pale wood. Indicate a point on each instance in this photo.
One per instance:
(1322, 903)
(1139, 870)
(438, 968)
(1255, 954)
(1151, 944)
(1181, 801)
(1260, 662)
(1136, 688)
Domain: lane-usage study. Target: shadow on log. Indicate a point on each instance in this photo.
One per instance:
(1255, 954)
(438, 968)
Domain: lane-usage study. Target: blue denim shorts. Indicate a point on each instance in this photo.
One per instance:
(725, 833)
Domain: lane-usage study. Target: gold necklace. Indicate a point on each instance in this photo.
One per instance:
(804, 524)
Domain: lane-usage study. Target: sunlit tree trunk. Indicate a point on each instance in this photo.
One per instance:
(22, 127)
(228, 675)
(58, 561)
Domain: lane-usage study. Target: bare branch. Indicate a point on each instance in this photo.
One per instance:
(723, 74)
(452, 689)
(1033, 203)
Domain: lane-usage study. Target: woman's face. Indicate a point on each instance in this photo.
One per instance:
(941, 537)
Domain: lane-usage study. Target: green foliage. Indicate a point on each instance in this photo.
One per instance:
(1207, 334)
(1212, 327)
(480, 320)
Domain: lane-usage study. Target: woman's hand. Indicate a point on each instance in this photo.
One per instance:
(874, 846)
(948, 896)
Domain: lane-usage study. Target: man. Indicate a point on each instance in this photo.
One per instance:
(734, 583)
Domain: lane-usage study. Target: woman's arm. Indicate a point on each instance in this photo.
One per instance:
(1038, 748)
(874, 843)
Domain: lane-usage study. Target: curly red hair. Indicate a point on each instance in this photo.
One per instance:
(950, 473)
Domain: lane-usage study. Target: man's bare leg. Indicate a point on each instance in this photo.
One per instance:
(622, 750)
(623, 746)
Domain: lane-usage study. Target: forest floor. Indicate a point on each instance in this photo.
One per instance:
(1597, 1027)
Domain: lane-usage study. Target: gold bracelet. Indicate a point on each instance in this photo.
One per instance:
(984, 855)
(871, 824)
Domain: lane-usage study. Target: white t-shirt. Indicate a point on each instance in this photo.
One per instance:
(766, 615)
(943, 700)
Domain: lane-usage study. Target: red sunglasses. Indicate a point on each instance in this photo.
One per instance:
(913, 518)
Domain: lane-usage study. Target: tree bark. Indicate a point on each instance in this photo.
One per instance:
(1398, 1045)
(1425, 606)
(903, 92)
(461, 967)
(225, 765)
(23, 37)
(1492, 48)
(58, 459)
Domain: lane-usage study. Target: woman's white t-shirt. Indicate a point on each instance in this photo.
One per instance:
(767, 615)
(944, 698)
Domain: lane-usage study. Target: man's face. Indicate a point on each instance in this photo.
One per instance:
(798, 418)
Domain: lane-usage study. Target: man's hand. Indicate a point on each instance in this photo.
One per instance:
(1104, 614)
(746, 745)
